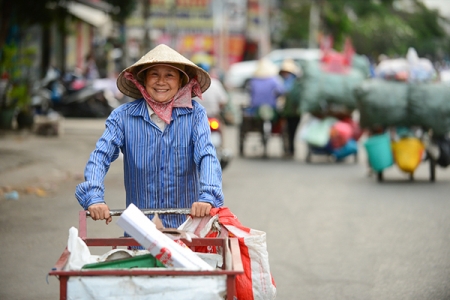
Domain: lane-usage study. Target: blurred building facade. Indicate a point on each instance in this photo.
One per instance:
(219, 31)
(87, 23)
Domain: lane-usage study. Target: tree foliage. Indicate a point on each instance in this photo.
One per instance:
(26, 13)
(124, 9)
(375, 27)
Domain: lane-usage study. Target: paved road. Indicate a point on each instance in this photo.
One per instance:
(332, 231)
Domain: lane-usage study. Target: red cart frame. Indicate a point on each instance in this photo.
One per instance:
(230, 269)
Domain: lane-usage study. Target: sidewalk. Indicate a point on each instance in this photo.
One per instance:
(31, 163)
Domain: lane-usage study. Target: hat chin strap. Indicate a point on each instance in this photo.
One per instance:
(181, 99)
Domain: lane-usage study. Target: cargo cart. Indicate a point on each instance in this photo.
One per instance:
(231, 266)
(380, 149)
(262, 121)
(333, 155)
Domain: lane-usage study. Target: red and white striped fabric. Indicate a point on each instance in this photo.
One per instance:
(257, 281)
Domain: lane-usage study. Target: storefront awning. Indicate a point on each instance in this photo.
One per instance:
(91, 15)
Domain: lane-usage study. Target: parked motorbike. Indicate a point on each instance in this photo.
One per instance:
(71, 96)
(224, 155)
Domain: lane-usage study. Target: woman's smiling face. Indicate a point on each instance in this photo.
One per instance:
(162, 82)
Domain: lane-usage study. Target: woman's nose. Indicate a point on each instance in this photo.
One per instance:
(160, 79)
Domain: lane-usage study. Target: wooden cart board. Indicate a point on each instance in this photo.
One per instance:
(140, 281)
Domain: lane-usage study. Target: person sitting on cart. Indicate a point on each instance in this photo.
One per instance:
(265, 86)
(169, 160)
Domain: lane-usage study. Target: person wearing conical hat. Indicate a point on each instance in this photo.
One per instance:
(290, 73)
(265, 85)
(169, 160)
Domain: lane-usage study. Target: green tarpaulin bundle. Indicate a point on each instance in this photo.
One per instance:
(361, 63)
(429, 107)
(382, 103)
(320, 88)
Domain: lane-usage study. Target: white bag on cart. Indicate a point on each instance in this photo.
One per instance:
(146, 287)
(257, 281)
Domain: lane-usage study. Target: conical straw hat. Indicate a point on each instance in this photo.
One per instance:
(161, 54)
(265, 69)
(289, 65)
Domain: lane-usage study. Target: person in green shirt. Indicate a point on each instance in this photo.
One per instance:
(291, 112)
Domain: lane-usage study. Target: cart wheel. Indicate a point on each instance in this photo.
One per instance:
(380, 176)
(332, 158)
(285, 138)
(432, 169)
(264, 142)
(265, 135)
(241, 147)
(308, 156)
(241, 141)
(355, 158)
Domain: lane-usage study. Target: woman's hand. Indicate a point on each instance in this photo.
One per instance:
(100, 211)
(200, 209)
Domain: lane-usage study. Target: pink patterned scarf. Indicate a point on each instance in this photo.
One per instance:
(181, 99)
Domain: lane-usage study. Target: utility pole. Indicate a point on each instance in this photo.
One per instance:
(314, 23)
(221, 28)
(264, 41)
(146, 17)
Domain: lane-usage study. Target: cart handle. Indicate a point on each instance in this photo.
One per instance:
(82, 225)
(160, 211)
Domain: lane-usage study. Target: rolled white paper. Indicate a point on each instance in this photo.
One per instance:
(170, 253)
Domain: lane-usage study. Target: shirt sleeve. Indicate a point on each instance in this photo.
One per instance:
(207, 162)
(107, 149)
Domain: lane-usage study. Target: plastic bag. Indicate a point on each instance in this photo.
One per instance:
(257, 281)
(317, 131)
(340, 133)
(79, 251)
(408, 153)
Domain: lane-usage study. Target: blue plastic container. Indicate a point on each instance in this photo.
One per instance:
(379, 152)
(351, 147)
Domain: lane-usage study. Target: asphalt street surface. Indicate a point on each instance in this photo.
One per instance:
(333, 232)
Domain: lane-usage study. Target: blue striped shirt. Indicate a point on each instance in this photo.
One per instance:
(162, 169)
